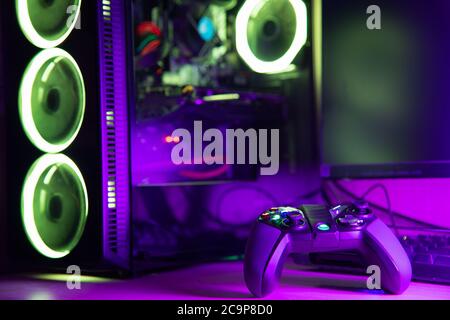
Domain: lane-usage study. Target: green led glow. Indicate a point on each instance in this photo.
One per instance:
(233, 258)
(250, 10)
(46, 24)
(222, 97)
(54, 205)
(52, 100)
(276, 217)
(69, 277)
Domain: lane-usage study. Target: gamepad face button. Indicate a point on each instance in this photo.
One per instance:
(265, 216)
(323, 227)
(284, 217)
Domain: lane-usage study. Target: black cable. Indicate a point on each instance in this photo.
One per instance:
(324, 192)
(381, 208)
(325, 196)
(305, 196)
(388, 202)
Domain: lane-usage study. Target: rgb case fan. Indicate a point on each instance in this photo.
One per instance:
(66, 103)
(52, 100)
(270, 33)
(45, 23)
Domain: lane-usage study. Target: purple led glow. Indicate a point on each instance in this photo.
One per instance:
(115, 133)
(216, 281)
(152, 145)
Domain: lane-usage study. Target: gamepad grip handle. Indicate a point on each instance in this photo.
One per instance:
(265, 255)
(384, 250)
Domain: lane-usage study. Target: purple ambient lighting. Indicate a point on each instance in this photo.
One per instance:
(114, 118)
(215, 281)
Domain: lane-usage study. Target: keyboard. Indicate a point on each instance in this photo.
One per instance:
(430, 257)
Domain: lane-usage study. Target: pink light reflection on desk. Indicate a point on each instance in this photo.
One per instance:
(213, 281)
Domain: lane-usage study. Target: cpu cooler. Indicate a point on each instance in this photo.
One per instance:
(66, 112)
(271, 33)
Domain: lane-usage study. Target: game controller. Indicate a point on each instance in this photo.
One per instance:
(317, 229)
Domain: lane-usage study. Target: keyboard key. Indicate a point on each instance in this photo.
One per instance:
(442, 261)
(436, 238)
(441, 251)
(442, 243)
(420, 248)
(430, 257)
(423, 258)
(409, 249)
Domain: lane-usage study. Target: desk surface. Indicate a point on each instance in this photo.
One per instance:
(209, 281)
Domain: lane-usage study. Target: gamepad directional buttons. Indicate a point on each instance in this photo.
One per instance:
(286, 223)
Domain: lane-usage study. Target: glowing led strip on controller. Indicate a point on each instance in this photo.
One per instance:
(25, 98)
(33, 35)
(283, 63)
(28, 192)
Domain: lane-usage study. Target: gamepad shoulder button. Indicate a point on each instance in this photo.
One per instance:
(288, 210)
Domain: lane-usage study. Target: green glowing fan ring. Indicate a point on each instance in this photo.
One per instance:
(45, 164)
(42, 60)
(34, 36)
(242, 42)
